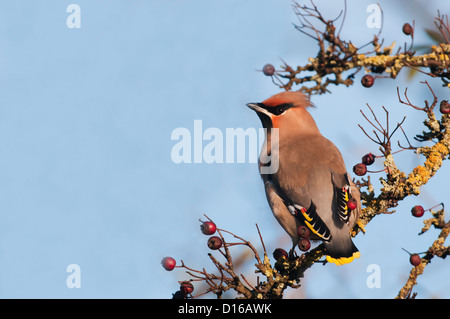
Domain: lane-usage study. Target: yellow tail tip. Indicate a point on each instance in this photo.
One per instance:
(343, 260)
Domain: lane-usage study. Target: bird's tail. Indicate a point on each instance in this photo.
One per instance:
(341, 252)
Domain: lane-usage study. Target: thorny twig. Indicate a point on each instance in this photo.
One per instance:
(437, 249)
(336, 57)
(218, 284)
(397, 185)
(338, 61)
(385, 140)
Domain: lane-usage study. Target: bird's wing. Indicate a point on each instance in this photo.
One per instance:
(355, 193)
(299, 203)
(311, 219)
(313, 182)
(343, 193)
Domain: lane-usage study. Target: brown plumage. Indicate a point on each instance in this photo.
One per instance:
(311, 185)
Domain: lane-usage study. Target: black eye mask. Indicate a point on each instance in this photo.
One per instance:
(276, 110)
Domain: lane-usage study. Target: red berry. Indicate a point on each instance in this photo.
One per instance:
(415, 259)
(444, 107)
(360, 169)
(178, 295)
(186, 287)
(279, 252)
(352, 204)
(417, 211)
(269, 70)
(407, 29)
(214, 242)
(168, 263)
(368, 159)
(367, 80)
(208, 228)
(303, 232)
(304, 244)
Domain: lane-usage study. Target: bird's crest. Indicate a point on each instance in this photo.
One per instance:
(297, 99)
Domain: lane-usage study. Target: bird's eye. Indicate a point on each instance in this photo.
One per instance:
(280, 110)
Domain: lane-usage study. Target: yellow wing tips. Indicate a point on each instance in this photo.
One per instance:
(343, 260)
(313, 230)
(305, 215)
(346, 198)
(307, 223)
(314, 222)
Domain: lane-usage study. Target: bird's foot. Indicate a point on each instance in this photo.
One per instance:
(292, 253)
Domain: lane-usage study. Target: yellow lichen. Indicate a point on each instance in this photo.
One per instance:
(420, 174)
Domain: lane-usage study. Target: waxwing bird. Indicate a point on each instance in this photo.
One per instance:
(310, 185)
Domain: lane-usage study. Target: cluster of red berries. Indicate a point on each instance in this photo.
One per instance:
(214, 243)
(209, 228)
(360, 169)
(303, 244)
(169, 264)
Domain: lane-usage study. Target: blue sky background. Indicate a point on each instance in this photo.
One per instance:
(86, 117)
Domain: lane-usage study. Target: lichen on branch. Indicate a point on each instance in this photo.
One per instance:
(337, 62)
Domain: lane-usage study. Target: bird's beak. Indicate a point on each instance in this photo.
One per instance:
(264, 115)
(254, 106)
(257, 108)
